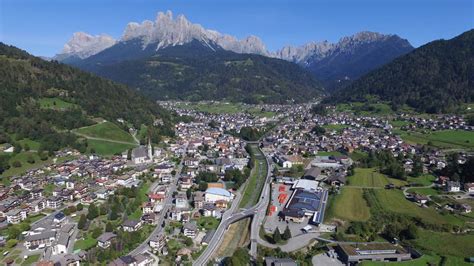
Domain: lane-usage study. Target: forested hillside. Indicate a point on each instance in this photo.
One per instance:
(195, 71)
(41, 101)
(434, 78)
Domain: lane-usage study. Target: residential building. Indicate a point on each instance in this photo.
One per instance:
(190, 229)
(54, 202)
(157, 242)
(40, 240)
(453, 186)
(131, 225)
(15, 216)
(104, 241)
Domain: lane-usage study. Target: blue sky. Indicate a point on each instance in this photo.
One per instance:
(42, 27)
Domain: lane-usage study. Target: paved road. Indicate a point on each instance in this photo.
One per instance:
(230, 217)
(167, 203)
(227, 219)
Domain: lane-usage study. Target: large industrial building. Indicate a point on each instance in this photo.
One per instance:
(305, 203)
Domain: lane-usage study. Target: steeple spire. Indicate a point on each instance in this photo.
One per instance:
(150, 150)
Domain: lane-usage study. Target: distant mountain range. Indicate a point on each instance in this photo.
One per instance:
(209, 68)
(436, 77)
(337, 64)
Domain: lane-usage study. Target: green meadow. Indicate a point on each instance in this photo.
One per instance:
(106, 131)
(445, 139)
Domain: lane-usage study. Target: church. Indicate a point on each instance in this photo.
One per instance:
(144, 154)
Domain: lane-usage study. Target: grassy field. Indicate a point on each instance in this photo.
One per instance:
(399, 123)
(85, 244)
(256, 180)
(328, 153)
(208, 223)
(370, 177)
(349, 205)
(34, 145)
(445, 139)
(142, 197)
(55, 103)
(106, 130)
(423, 180)
(424, 191)
(395, 201)
(22, 157)
(357, 155)
(31, 260)
(460, 246)
(107, 148)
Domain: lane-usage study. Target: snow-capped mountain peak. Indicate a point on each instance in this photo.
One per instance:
(169, 31)
(84, 45)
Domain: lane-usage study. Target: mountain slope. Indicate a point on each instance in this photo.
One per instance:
(27, 81)
(336, 64)
(433, 78)
(202, 71)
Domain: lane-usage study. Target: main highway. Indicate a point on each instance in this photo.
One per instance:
(261, 211)
(258, 211)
